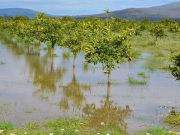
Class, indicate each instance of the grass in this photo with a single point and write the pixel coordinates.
(160, 51)
(85, 66)
(145, 43)
(101, 83)
(154, 131)
(6, 126)
(2, 63)
(159, 54)
(143, 75)
(133, 81)
(60, 126)
(66, 56)
(152, 64)
(30, 110)
(74, 126)
(173, 118)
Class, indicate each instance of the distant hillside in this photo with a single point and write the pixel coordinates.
(17, 12)
(172, 10)
(156, 13)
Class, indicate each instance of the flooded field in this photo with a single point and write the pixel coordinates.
(34, 86)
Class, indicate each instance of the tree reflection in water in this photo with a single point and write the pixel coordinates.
(109, 113)
(46, 76)
(73, 93)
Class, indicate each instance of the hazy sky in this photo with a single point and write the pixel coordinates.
(79, 7)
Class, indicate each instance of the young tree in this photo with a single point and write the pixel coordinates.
(47, 29)
(158, 31)
(108, 48)
(74, 38)
(107, 12)
(175, 67)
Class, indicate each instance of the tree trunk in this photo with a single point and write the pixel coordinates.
(108, 91)
(107, 103)
(74, 61)
(74, 76)
(109, 77)
(52, 52)
(52, 47)
(52, 64)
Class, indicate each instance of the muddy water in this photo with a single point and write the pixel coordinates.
(34, 86)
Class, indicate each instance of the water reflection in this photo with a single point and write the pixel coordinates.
(13, 46)
(45, 75)
(41, 69)
(30, 70)
(73, 92)
(109, 113)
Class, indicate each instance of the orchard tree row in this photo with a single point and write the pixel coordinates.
(103, 41)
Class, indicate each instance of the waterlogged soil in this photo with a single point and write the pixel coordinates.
(35, 86)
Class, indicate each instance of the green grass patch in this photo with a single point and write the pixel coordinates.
(133, 81)
(143, 75)
(61, 126)
(159, 54)
(136, 54)
(6, 126)
(32, 126)
(154, 131)
(66, 56)
(30, 110)
(2, 63)
(173, 118)
(85, 66)
(160, 51)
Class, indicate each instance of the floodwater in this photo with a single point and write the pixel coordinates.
(34, 86)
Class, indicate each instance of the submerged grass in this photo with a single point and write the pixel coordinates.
(66, 56)
(160, 51)
(2, 63)
(152, 64)
(143, 75)
(85, 66)
(133, 81)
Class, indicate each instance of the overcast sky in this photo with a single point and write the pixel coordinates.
(79, 7)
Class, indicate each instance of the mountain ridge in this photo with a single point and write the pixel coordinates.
(18, 12)
(171, 11)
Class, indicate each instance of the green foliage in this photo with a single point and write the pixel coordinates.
(173, 118)
(107, 12)
(32, 126)
(174, 28)
(66, 56)
(158, 30)
(107, 47)
(49, 29)
(2, 63)
(142, 74)
(154, 131)
(6, 126)
(175, 67)
(73, 37)
(85, 66)
(133, 81)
